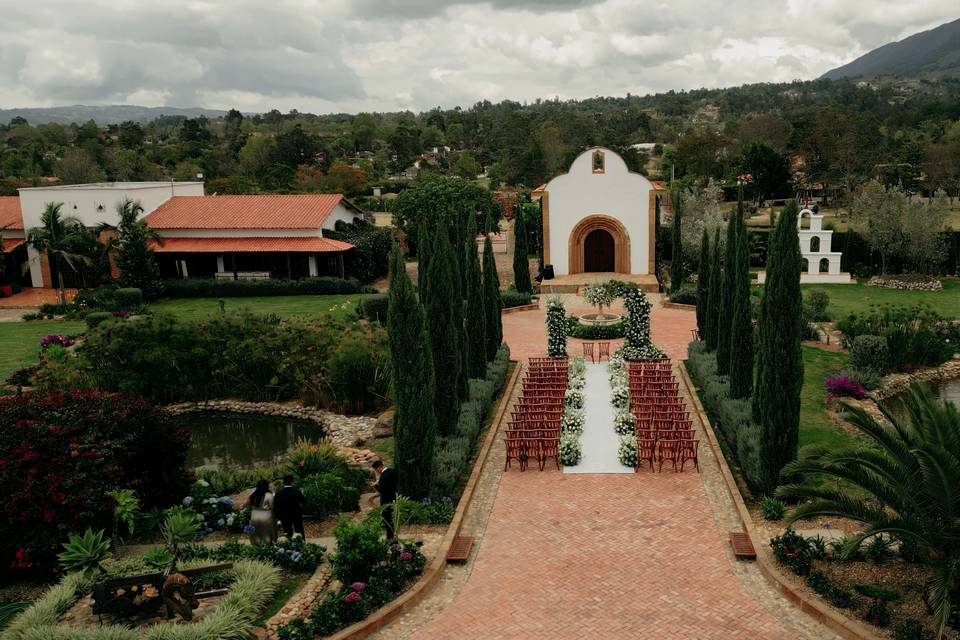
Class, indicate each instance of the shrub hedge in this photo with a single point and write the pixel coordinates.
(371, 248)
(731, 417)
(684, 295)
(374, 308)
(914, 337)
(60, 454)
(213, 288)
(320, 361)
(512, 298)
(453, 452)
(576, 329)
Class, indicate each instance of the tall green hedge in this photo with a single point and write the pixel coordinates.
(213, 288)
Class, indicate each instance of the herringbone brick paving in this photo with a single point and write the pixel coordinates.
(644, 556)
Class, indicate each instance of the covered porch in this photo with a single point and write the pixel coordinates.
(251, 258)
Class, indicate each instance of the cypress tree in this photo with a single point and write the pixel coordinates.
(676, 248)
(713, 299)
(476, 320)
(492, 304)
(425, 237)
(521, 265)
(776, 398)
(726, 295)
(703, 284)
(741, 331)
(443, 315)
(413, 380)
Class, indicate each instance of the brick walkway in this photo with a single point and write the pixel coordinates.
(595, 556)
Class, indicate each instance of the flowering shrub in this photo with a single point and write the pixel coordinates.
(60, 454)
(573, 399)
(793, 551)
(372, 572)
(637, 345)
(627, 451)
(845, 386)
(572, 421)
(216, 513)
(56, 339)
(570, 449)
(293, 554)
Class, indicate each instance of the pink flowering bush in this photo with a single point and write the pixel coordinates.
(845, 386)
(57, 339)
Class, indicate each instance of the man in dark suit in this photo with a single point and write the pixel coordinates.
(387, 488)
(288, 507)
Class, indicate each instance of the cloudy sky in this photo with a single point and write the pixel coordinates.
(354, 55)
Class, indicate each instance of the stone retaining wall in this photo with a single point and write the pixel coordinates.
(897, 383)
(340, 429)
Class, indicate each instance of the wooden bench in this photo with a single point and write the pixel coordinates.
(460, 549)
(742, 546)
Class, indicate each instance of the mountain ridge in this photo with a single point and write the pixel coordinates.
(932, 53)
(102, 114)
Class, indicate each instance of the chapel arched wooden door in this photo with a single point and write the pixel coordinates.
(599, 252)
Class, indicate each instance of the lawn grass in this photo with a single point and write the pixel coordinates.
(857, 298)
(816, 427)
(342, 307)
(20, 341)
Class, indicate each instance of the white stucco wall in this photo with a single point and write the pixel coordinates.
(340, 212)
(84, 202)
(616, 192)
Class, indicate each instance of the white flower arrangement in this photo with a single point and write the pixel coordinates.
(620, 395)
(623, 423)
(573, 399)
(572, 421)
(577, 367)
(627, 451)
(637, 344)
(570, 449)
(556, 329)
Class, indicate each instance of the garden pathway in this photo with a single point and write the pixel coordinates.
(602, 555)
(599, 440)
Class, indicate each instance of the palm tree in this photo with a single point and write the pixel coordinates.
(904, 482)
(59, 236)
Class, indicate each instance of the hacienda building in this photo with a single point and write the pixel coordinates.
(215, 236)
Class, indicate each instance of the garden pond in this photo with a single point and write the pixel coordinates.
(243, 440)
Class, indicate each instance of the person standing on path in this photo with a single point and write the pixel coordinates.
(387, 488)
(288, 507)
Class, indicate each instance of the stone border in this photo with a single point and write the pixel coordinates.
(523, 307)
(412, 596)
(842, 625)
(666, 304)
(896, 383)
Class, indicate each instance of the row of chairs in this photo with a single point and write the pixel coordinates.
(533, 433)
(674, 452)
(664, 431)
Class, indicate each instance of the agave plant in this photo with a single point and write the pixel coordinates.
(905, 482)
(180, 527)
(85, 553)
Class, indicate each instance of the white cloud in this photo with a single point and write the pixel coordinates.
(351, 55)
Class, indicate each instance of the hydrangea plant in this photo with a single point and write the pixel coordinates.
(627, 451)
(570, 449)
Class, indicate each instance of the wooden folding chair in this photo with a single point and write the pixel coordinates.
(646, 450)
(588, 351)
(669, 451)
(688, 451)
(604, 351)
(514, 452)
(549, 448)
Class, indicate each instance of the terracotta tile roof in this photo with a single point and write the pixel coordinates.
(9, 244)
(10, 216)
(310, 244)
(245, 212)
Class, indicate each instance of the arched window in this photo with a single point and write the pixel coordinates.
(824, 265)
(815, 244)
(598, 162)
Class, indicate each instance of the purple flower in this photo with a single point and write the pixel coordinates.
(406, 555)
(248, 529)
(353, 596)
(395, 547)
(123, 314)
(845, 386)
(56, 339)
(358, 586)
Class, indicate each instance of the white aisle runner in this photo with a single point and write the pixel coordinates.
(599, 440)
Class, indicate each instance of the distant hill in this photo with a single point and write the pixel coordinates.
(934, 53)
(102, 115)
